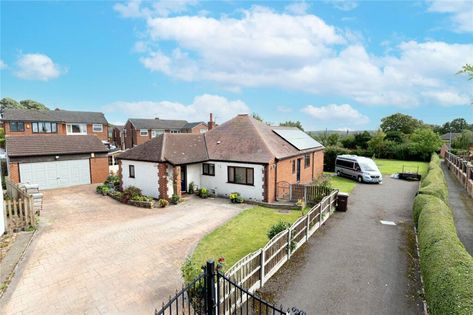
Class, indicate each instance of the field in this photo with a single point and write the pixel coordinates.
(388, 167)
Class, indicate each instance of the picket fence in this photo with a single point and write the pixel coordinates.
(255, 269)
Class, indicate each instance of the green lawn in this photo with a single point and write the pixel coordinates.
(240, 236)
(389, 167)
(341, 183)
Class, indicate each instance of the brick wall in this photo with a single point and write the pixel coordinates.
(318, 163)
(141, 139)
(197, 128)
(98, 169)
(163, 180)
(101, 135)
(61, 130)
(270, 183)
(176, 183)
(14, 172)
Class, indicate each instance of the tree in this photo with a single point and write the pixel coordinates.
(257, 117)
(456, 125)
(426, 141)
(464, 141)
(362, 138)
(349, 142)
(291, 123)
(9, 103)
(30, 104)
(468, 70)
(377, 143)
(332, 139)
(400, 122)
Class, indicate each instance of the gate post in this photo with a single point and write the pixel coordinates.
(210, 287)
(290, 192)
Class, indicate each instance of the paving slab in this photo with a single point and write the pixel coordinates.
(94, 255)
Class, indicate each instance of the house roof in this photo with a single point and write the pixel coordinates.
(119, 127)
(52, 145)
(450, 135)
(244, 138)
(54, 115)
(175, 148)
(241, 139)
(191, 125)
(157, 123)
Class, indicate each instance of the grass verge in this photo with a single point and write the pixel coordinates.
(341, 183)
(240, 236)
(388, 167)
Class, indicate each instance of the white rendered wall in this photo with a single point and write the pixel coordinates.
(194, 172)
(223, 188)
(146, 177)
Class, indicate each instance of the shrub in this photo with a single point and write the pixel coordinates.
(277, 228)
(163, 203)
(235, 197)
(130, 192)
(446, 266)
(175, 199)
(191, 188)
(330, 154)
(434, 182)
(141, 198)
(203, 193)
(102, 189)
(113, 180)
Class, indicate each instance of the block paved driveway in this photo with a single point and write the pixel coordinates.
(93, 255)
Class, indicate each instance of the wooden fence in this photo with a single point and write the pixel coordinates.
(310, 194)
(253, 270)
(462, 168)
(21, 207)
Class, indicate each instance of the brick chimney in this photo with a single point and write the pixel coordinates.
(211, 122)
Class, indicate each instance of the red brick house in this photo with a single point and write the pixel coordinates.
(242, 155)
(56, 148)
(137, 131)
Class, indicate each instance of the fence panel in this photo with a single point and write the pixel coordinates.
(298, 233)
(247, 271)
(19, 214)
(275, 254)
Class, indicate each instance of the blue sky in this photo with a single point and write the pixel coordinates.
(330, 64)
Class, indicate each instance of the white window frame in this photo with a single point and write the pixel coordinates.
(98, 126)
(175, 131)
(143, 132)
(156, 132)
(82, 127)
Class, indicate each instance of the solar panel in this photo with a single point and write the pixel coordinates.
(297, 138)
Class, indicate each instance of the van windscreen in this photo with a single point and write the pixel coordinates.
(368, 166)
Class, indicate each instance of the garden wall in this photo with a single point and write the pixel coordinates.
(446, 266)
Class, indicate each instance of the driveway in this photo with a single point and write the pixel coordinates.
(355, 264)
(94, 255)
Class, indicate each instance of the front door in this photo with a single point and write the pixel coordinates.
(183, 178)
(298, 172)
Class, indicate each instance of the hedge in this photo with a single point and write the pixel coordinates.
(434, 182)
(446, 266)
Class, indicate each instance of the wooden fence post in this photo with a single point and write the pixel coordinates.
(289, 244)
(308, 227)
(305, 194)
(263, 258)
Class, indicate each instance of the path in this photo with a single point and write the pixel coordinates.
(355, 264)
(462, 207)
(94, 255)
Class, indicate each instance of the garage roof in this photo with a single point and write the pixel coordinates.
(53, 145)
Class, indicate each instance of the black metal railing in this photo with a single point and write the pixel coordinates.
(213, 293)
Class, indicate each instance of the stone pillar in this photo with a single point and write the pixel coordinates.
(163, 180)
(176, 180)
(120, 174)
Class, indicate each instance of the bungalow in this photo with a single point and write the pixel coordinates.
(242, 155)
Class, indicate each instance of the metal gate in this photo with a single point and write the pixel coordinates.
(213, 293)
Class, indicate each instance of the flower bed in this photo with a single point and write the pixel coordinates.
(131, 195)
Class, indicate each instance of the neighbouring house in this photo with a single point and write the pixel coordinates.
(137, 131)
(118, 137)
(56, 148)
(242, 155)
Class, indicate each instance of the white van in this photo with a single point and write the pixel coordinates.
(358, 167)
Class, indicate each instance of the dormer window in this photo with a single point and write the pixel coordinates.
(76, 129)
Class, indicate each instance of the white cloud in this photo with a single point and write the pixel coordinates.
(264, 48)
(448, 97)
(344, 5)
(297, 8)
(37, 67)
(3, 65)
(461, 13)
(199, 110)
(148, 9)
(336, 113)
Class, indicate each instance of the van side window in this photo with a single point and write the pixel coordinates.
(357, 167)
(346, 164)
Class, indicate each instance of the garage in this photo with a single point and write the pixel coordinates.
(56, 174)
(56, 161)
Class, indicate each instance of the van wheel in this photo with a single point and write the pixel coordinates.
(360, 179)
(339, 174)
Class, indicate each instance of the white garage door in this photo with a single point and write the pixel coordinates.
(56, 174)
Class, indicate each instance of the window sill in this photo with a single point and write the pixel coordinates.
(208, 174)
(241, 184)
